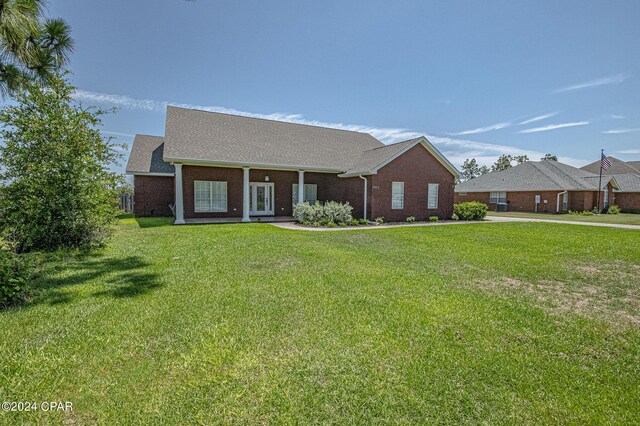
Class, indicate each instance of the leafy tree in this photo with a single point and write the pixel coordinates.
(470, 169)
(502, 163)
(549, 157)
(32, 46)
(519, 159)
(56, 187)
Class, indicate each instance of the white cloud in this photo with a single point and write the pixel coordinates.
(125, 135)
(456, 150)
(538, 118)
(614, 79)
(629, 151)
(553, 127)
(496, 126)
(618, 131)
(386, 135)
(616, 116)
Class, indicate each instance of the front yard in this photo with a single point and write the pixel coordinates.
(498, 323)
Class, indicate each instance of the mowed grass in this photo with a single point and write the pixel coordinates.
(494, 323)
(621, 218)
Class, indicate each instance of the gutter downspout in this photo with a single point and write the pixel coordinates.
(558, 200)
(365, 194)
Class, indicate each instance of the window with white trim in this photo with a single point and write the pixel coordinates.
(210, 196)
(432, 196)
(565, 201)
(605, 198)
(397, 195)
(499, 197)
(310, 193)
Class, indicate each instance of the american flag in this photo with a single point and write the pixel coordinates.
(604, 162)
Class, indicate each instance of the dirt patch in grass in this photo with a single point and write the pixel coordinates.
(610, 301)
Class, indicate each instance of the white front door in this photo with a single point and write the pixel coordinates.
(261, 199)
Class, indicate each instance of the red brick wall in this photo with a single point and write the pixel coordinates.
(233, 177)
(629, 202)
(330, 188)
(524, 201)
(416, 168)
(152, 195)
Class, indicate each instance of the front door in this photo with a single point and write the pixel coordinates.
(261, 199)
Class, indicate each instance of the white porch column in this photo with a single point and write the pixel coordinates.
(300, 186)
(179, 199)
(245, 195)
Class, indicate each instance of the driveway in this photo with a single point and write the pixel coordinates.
(570, 222)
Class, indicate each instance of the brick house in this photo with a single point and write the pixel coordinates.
(538, 186)
(213, 165)
(627, 175)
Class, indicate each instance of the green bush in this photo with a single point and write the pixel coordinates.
(580, 213)
(354, 222)
(323, 214)
(454, 217)
(470, 210)
(410, 219)
(613, 209)
(363, 221)
(380, 220)
(15, 271)
(433, 218)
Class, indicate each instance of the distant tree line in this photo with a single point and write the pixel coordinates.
(471, 169)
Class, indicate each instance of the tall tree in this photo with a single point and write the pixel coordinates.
(470, 169)
(519, 159)
(57, 188)
(549, 157)
(502, 163)
(32, 46)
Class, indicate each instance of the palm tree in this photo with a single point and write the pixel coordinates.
(31, 46)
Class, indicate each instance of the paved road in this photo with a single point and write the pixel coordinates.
(489, 219)
(570, 222)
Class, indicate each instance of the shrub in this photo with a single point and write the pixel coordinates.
(354, 222)
(410, 219)
(14, 274)
(433, 218)
(323, 214)
(470, 210)
(580, 213)
(363, 221)
(613, 209)
(380, 220)
(331, 225)
(454, 217)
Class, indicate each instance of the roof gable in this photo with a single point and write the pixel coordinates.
(146, 156)
(617, 167)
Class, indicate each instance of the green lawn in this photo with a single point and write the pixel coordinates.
(622, 218)
(494, 323)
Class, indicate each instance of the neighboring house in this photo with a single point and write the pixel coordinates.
(538, 186)
(213, 165)
(627, 174)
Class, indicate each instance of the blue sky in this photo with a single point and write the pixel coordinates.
(478, 78)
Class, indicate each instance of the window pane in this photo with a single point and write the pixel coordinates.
(397, 195)
(432, 196)
(311, 193)
(202, 196)
(219, 196)
(498, 197)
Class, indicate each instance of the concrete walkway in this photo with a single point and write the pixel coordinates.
(489, 219)
(567, 222)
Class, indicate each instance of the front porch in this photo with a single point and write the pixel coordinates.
(256, 219)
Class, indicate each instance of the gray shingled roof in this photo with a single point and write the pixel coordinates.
(372, 158)
(147, 156)
(617, 167)
(627, 182)
(634, 164)
(535, 176)
(231, 139)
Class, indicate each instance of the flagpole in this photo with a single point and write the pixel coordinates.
(600, 180)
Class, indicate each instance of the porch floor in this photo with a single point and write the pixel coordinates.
(257, 219)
